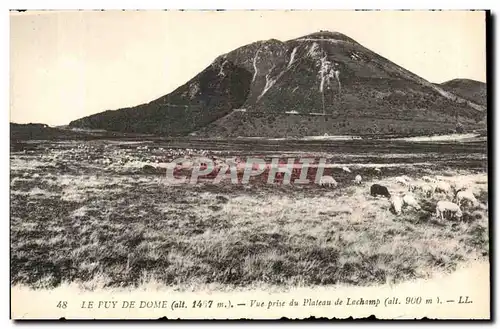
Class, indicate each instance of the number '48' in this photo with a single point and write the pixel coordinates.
(62, 304)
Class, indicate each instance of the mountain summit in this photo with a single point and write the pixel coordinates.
(327, 35)
(321, 83)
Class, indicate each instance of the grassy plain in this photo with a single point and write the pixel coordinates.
(102, 214)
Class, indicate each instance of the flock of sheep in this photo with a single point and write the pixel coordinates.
(457, 196)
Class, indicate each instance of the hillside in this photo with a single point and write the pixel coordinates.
(472, 90)
(209, 96)
(324, 82)
(39, 131)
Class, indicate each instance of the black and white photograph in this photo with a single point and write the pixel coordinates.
(258, 164)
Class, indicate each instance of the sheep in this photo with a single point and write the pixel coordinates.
(328, 180)
(443, 208)
(187, 164)
(467, 196)
(426, 189)
(458, 186)
(357, 179)
(219, 163)
(428, 179)
(443, 187)
(346, 169)
(401, 181)
(409, 200)
(234, 161)
(377, 189)
(411, 187)
(406, 178)
(397, 204)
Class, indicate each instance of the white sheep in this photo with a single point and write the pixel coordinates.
(426, 189)
(219, 163)
(457, 186)
(401, 181)
(406, 178)
(443, 208)
(443, 187)
(357, 179)
(467, 196)
(409, 200)
(411, 187)
(346, 169)
(232, 161)
(328, 180)
(428, 179)
(397, 204)
(187, 164)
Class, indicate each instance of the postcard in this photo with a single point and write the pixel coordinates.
(249, 164)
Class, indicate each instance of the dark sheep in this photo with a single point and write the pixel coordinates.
(377, 189)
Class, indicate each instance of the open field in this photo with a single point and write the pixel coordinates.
(102, 214)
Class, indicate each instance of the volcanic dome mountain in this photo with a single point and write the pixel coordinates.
(322, 83)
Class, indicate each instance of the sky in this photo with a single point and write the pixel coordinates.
(67, 65)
